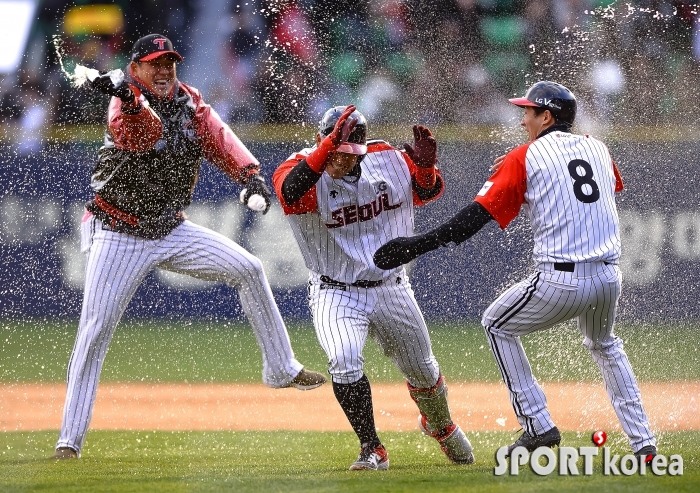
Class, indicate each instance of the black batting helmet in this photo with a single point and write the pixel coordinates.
(358, 134)
(551, 96)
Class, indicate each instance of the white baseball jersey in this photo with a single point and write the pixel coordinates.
(566, 184)
(338, 225)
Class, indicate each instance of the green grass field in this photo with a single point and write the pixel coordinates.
(298, 462)
(129, 461)
(196, 351)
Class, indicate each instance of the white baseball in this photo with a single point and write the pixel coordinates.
(257, 202)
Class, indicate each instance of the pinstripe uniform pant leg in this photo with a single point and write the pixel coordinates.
(543, 300)
(116, 266)
(403, 335)
(344, 318)
(607, 350)
(341, 321)
(205, 254)
(118, 263)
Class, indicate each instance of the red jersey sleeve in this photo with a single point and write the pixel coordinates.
(221, 146)
(307, 203)
(137, 132)
(619, 186)
(504, 192)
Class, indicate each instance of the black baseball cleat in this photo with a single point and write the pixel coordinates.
(549, 438)
(647, 453)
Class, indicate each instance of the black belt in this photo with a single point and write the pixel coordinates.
(357, 284)
(568, 266)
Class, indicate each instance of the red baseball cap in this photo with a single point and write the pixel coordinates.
(522, 102)
(151, 47)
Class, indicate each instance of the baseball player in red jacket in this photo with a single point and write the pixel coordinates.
(158, 132)
(566, 183)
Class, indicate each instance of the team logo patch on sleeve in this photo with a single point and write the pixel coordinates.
(485, 188)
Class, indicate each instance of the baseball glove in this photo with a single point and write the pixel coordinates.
(424, 149)
(256, 186)
(104, 84)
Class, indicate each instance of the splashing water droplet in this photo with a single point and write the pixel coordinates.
(81, 73)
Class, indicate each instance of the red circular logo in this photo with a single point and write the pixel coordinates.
(599, 438)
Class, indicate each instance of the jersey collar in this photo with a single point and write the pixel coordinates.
(557, 127)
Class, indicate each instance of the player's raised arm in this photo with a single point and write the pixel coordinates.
(342, 130)
(421, 158)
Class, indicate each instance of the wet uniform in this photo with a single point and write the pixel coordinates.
(338, 224)
(566, 184)
(144, 179)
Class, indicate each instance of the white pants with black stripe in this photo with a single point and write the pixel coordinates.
(344, 316)
(118, 263)
(547, 297)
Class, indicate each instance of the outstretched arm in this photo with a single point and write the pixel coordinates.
(459, 228)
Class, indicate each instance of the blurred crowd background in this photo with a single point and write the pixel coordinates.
(447, 61)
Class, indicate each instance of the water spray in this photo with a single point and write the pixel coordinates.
(81, 73)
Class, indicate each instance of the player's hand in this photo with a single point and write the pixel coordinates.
(343, 127)
(497, 163)
(424, 149)
(402, 250)
(104, 84)
(256, 186)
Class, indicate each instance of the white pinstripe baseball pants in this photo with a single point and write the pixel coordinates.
(546, 298)
(388, 313)
(118, 263)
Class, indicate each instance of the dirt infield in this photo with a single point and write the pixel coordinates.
(481, 406)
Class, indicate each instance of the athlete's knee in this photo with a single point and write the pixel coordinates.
(345, 370)
(608, 345)
(488, 328)
(487, 321)
(246, 269)
(423, 375)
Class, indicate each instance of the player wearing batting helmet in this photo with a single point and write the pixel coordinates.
(345, 197)
(159, 131)
(567, 184)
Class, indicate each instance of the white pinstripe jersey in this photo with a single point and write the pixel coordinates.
(566, 184)
(344, 223)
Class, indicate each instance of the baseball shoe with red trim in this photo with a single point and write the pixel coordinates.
(372, 457)
(647, 453)
(453, 442)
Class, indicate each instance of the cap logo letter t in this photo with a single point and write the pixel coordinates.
(160, 42)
